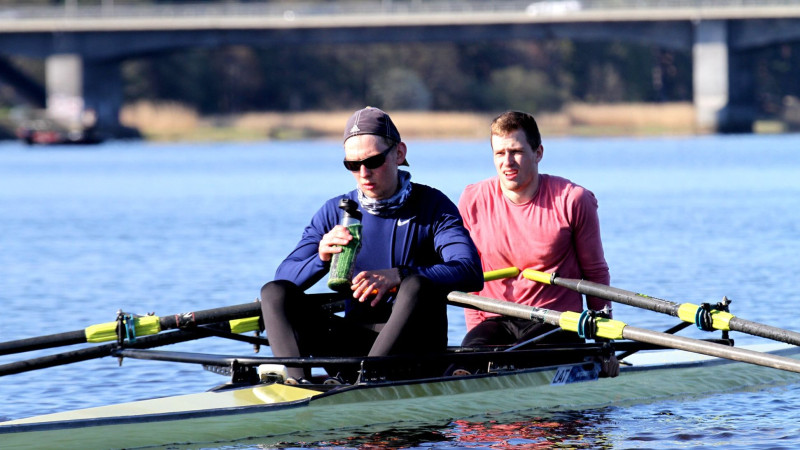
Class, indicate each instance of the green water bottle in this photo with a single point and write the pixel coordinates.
(343, 264)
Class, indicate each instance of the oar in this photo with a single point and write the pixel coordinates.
(242, 318)
(95, 352)
(688, 312)
(614, 329)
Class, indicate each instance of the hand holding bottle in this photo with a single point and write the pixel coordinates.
(333, 241)
(343, 262)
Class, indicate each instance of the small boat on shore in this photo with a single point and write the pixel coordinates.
(48, 132)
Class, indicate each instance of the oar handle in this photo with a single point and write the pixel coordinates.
(539, 277)
(500, 274)
(487, 276)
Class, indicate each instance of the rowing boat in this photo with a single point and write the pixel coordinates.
(270, 411)
(256, 406)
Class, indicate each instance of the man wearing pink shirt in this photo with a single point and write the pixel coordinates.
(521, 218)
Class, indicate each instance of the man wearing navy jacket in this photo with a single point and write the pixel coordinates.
(414, 250)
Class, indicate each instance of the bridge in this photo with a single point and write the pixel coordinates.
(83, 46)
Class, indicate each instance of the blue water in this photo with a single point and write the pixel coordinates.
(168, 228)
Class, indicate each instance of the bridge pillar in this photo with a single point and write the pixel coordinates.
(64, 86)
(710, 72)
(84, 93)
(723, 81)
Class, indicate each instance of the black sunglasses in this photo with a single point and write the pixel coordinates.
(373, 162)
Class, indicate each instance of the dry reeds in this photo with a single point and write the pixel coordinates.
(161, 120)
(634, 116)
(171, 121)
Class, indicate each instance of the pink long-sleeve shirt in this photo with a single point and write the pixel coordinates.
(557, 231)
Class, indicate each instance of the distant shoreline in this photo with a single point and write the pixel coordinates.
(172, 122)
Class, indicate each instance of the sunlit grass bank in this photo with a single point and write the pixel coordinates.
(170, 121)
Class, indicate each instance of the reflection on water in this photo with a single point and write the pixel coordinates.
(573, 430)
(580, 429)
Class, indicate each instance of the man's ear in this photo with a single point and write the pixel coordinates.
(401, 152)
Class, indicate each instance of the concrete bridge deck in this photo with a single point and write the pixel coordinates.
(117, 17)
(84, 45)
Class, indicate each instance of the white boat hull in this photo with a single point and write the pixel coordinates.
(272, 413)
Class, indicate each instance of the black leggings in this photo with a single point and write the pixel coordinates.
(512, 331)
(416, 322)
(497, 331)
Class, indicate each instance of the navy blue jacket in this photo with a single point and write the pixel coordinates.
(426, 234)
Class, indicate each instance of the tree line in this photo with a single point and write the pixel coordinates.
(488, 76)
(535, 76)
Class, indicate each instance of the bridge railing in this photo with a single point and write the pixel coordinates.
(289, 10)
